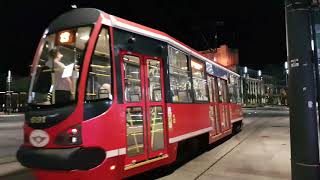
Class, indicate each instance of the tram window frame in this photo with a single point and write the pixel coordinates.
(225, 96)
(80, 63)
(128, 98)
(196, 60)
(108, 30)
(215, 88)
(237, 90)
(227, 92)
(187, 72)
(210, 89)
(216, 94)
(233, 89)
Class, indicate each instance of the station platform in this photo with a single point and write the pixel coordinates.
(260, 151)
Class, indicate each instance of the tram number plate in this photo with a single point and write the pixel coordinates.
(38, 119)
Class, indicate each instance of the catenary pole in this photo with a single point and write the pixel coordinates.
(302, 92)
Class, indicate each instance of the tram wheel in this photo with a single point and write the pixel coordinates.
(237, 126)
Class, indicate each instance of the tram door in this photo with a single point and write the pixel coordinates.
(223, 106)
(214, 106)
(142, 81)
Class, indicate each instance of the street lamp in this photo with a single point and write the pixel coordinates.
(245, 70)
(286, 67)
(259, 73)
(8, 93)
(259, 86)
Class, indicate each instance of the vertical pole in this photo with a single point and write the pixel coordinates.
(286, 79)
(8, 101)
(314, 15)
(302, 92)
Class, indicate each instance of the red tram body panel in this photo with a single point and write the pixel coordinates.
(110, 99)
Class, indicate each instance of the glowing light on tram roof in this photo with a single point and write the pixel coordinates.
(64, 37)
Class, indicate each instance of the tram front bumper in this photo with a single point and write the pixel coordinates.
(61, 159)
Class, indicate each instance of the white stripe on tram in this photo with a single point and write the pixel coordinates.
(237, 119)
(185, 136)
(115, 152)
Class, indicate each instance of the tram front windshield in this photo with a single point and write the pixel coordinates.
(54, 80)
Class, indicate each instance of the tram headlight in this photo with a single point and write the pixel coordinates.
(69, 137)
(113, 167)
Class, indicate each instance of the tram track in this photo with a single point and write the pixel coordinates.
(260, 124)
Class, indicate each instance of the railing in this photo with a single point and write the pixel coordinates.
(12, 102)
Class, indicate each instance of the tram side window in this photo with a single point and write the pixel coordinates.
(180, 85)
(223, 97)
(99, 76)
(237, 96)
(132, 78)
(233, 91)
(199, 80)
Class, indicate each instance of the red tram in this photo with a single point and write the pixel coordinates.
(111, 98)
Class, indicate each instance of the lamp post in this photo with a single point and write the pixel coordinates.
(286, 68)
(302, 91)
(259, 95)
(8, 94)
(245, 85)
(245, 70)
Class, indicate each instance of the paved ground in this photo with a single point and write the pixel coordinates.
(11, 137)
(263, 154)
(260, 152)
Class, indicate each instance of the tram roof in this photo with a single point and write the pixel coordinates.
(83, 16)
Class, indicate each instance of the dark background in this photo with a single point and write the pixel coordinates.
(256, 28)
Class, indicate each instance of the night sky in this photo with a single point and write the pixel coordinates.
(256, 28)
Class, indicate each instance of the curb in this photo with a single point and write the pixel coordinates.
(11, 118)
(11, 168)
(11, 125)
(7, 159)
(12, 114)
